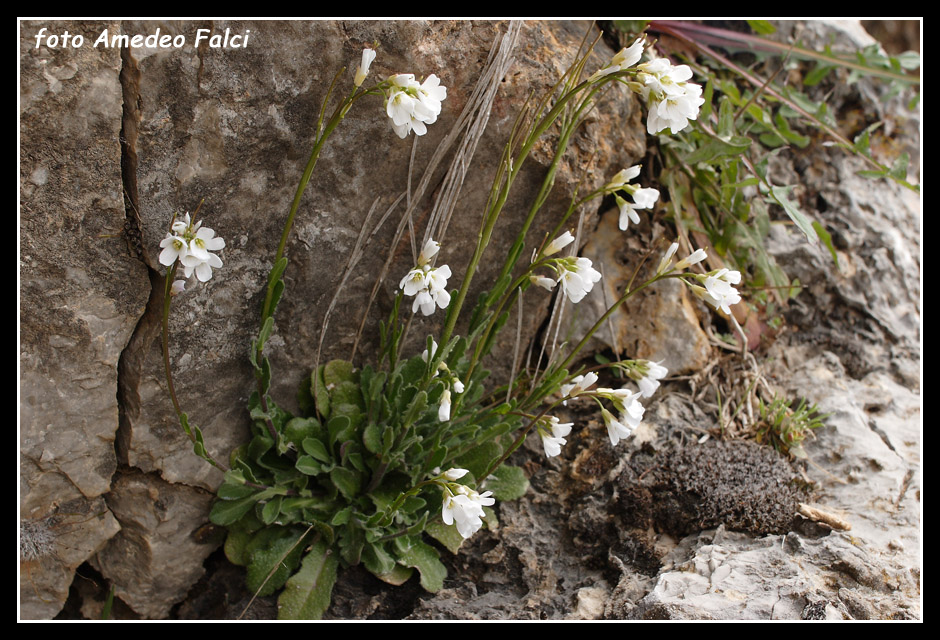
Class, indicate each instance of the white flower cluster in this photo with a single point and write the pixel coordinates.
(717, 290)
(412, 105)
(463, 506)
(576, 275)
(672, 101)
(192, 245)
(627, 405)
(428, 285)
(643, 197)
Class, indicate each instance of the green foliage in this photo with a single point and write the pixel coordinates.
(786, 428)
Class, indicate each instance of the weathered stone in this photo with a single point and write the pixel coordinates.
(156, 557)
(80, 291)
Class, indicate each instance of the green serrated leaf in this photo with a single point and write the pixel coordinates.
(265, 332)
(372, 438)
(338, 371)
(308, 593)
(377, 560)
(226, 512)
(898, 170)
(320, 394)
(423, 557)
(507, 483)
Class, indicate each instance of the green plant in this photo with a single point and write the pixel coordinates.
(786, 428)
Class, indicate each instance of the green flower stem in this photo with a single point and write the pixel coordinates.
(514, 165)
(171, 388)
(322, 137)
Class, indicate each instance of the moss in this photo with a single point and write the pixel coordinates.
(737, 483)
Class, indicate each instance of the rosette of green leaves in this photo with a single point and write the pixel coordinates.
(345, 482)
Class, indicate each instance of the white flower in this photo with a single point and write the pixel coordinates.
(542, 281)
(411, 105)
(672, 101)
(643, 197)
(463, 506)
(427, 284)
(443, 411)
(647, 376)
(458, 386)
(424, 354)
(558, 244)
(623, 177)
(665, 265)
(697, 256)
(192, 245)
(578, 385)
(552, 443)
(368, 55)
(577, 278)
(455, 474)
(625, 58)
(615, 429)
(718, 290)
(177, 287)
(627, 404)
(174, 247)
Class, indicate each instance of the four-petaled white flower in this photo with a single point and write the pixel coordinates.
(191, 244)
(412, 105)
(553, 435)
(626, 403)
(368, 55)
(463, 507)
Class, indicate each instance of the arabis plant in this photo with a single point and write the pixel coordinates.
(354, 477)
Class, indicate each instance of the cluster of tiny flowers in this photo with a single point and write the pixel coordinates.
(428, 285)
(412, 105)
(643, 197)
(553, 432)
(576, 275)
(463, 506)
(192, 245)
(672, 101)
